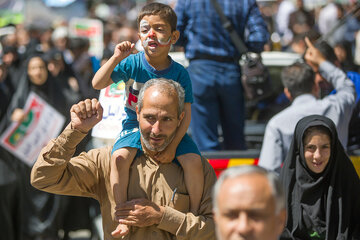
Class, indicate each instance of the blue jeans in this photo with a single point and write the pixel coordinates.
(218, 99)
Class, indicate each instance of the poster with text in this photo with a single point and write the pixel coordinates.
(112, 100)
(41, 123)
(91, 29)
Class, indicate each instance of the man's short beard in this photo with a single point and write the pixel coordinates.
(157, 149)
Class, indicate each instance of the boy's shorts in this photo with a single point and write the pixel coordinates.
(187, 145)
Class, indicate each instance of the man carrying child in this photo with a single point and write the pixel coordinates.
(157, 32)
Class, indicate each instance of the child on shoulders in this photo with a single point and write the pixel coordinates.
(157, 32)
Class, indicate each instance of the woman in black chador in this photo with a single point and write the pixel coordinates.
(37, 79)
(321, 185)
(39, 214)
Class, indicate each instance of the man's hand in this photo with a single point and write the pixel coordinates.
(123, 50)
(139, 212)
(313, 56)
(86, 114)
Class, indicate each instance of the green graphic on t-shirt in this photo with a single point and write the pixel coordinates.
(316, 236)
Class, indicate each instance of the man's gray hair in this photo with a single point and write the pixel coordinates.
(298, 78)
(168, 86)
(234, 172)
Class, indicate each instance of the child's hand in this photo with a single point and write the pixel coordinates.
(121, 230)
(166, 156)
(123, 50)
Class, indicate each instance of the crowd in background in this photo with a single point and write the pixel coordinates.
(71, 65)
(43, 50)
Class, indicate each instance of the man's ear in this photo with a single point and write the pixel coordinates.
(175, 36)
(214, 215)
(181, 117)
(316, 90)
(137, 113)
(337, 63)
(281, 218)
(288, 94)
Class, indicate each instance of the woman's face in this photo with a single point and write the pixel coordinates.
(37, 71)
(317, 150)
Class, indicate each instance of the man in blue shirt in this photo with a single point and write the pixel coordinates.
(214, 69)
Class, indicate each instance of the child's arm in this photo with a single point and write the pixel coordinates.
(169, 153)
(102, 76)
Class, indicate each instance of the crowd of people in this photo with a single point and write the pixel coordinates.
(145, 182)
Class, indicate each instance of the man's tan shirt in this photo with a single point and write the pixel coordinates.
(88, 175)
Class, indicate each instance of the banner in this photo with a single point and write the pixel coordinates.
(112, 100)
(26, 139)
(91, 29)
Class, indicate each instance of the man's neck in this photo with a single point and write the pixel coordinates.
(147, 152)
(159, 63)
(300, 98)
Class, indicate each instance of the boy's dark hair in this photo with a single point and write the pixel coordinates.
(164, 11)
(298, 78)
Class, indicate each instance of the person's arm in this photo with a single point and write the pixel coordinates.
(102, 77)
(345, 89)
(168, 154)
(271, 155)
(258, 33)
(56, 170)
(181, 11)
(14, 111)
(182, 225)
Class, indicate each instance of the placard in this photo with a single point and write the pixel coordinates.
(26, 139)
(112, 100)
(91, 29)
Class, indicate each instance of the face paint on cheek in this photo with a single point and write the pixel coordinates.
(145, 43)
(163, 42)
